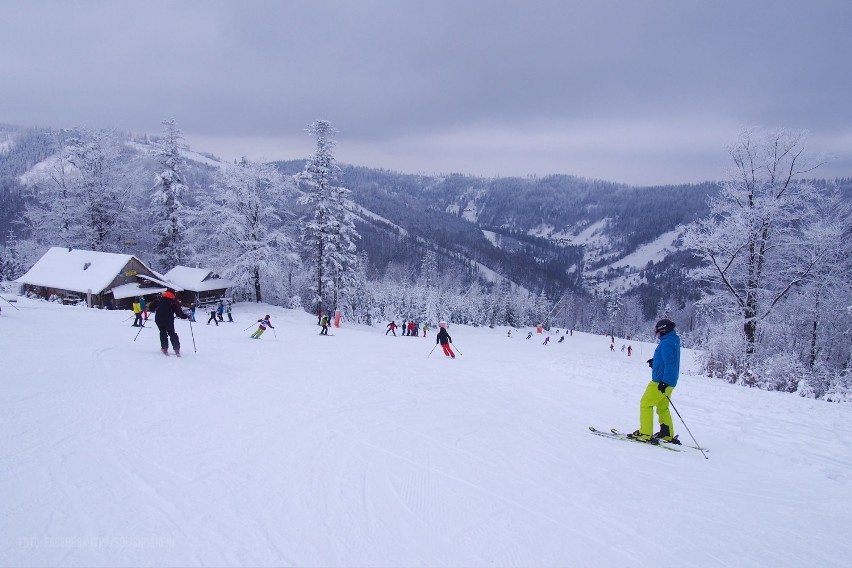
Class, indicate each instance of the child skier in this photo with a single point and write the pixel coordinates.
(444, 340)
(137, 311)
(228, 311)
(264, 323)
(529, 335)
(546, 340)
(324, 323)
(425, 329)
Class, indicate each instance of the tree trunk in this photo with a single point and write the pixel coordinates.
(257, 285)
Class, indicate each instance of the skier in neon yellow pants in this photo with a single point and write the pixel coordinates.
(665, 368)
(654, 398)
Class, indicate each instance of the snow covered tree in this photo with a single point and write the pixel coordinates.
(168, 215)
(753, 241)
(84, 203)
(246, 233)
(330, 235)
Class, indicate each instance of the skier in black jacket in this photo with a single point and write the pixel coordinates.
(167, 308)
(444, 339)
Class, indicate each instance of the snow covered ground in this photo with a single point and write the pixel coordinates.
(361, 450)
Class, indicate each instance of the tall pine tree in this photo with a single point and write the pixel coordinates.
(166, 201)
(330, 235)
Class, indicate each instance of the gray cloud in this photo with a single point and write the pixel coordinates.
(639, 92)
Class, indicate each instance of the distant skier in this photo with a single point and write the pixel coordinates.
(629, 350)
(509, 333)
(391, 328)
(444, 340)
(164, 316)
(264, 323)
(137, 311)
(665, 368)
(324, 322)
(213, 316)
(144, 307)
(228, 311)
(425, 329)
(612, 347)
(529, 335)
(546, 340)
(220, 309)
(561, 339)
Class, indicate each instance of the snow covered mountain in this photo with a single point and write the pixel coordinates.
(365, 449)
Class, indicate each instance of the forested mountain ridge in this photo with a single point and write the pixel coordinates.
(523, 229)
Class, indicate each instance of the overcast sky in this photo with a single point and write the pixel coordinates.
(636, 91)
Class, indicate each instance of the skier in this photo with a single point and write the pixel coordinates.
(220, 309)
(509, 333)
(324, 323)
(264, 323)
(629, 350)
(213, 316)
(192, 312)
(546, 340)
(164, 316)
(412, 329)
(403, 328)
(612, 347)
(137, 311)
(529, 335)
(561, 339)
(144, 307)
(444, 340)
(228, 311)
(665, 368)
(425, 329)
(391, 328)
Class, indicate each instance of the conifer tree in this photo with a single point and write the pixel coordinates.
(166, 201)
(330, 235)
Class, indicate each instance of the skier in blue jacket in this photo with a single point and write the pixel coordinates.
(665, 368)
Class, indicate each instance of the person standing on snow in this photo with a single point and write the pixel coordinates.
(220, 309)
(164, 316)
(324, 323)
(144, 307)
(264, 323)
(444, 340)
(228, 311)
(546, 340)
(425, 329)
(391, 328)
(137, 311)
(213, 316)
(665, 368)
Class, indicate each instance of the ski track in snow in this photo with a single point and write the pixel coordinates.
(294, 450)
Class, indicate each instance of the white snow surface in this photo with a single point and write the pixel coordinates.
(361, 449)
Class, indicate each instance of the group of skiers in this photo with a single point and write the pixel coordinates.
(217, 311)
(409, 328)
(665, 364)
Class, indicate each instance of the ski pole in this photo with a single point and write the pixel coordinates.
(138, 332)
(430, 353)
(10, 303)
(457, 348)
(193, 336)
(274, 334)
(687, 428)
(249, 327)
(128, 317)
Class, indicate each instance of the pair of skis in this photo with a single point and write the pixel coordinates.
(616, 435)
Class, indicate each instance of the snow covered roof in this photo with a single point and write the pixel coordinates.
(133, 289)
(77, 270)
(196, 279)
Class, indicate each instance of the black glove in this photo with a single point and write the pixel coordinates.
(662, 387)
(651, 363)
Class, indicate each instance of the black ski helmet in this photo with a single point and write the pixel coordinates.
(664, 326)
